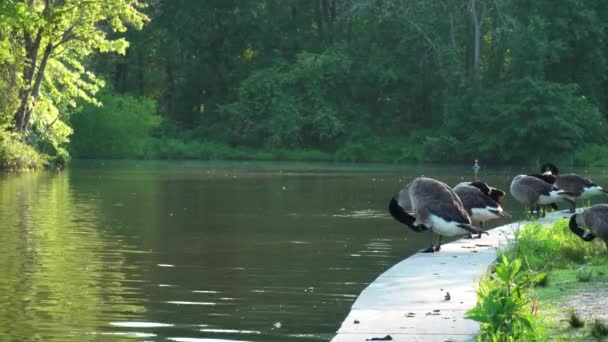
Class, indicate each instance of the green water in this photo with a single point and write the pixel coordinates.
(174, 251)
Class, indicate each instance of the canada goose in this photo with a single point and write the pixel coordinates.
(596, 219)
(580, 186)
(400, 208)
(478, 204)
(437, 207)
(536, 192)
(494, 193)
(548, 178)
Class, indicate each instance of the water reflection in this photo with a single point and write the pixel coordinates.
(198, 252)
(61, 275)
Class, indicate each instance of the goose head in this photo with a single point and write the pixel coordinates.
(575, 221)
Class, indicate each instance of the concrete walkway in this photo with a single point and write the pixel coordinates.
(409, 301)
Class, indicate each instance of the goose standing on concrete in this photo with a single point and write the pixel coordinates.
(400, 207)
(437, 207)
(596, 219)
(535, 192)
(580, 186)
(478, 204)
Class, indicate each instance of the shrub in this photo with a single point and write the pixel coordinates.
(584, 274)
(120, 128)
(598, 328)
(16, 155)
(574, 320)
(503, 307)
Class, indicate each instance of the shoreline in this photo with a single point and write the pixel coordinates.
(409, 300)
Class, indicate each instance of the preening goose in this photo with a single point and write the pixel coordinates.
(596, 219)
(478, 204)
(400, 208)
(535, 192)
(580, 186)
(494, 193)
(437, 207)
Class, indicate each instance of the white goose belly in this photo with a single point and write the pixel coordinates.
(552, 198)
(590, 192)
(443, 227)
(484, 214)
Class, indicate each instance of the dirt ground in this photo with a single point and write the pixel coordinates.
(588, 304)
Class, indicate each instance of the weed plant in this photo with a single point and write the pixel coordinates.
(574, 320)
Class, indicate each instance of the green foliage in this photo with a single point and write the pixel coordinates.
(574, 320)
(120, 128)
(545, 248)
(524, 119)
(43, 73)
(584, 274)
(503, 307)
(16, 155)
(592, 154)
(598, 328)
(175, 148)
(287, 105)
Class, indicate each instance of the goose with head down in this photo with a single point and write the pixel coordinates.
(436, 206)
(581, 187)
(535, 192)
(479, 201)
(400, 208)
(595, 218)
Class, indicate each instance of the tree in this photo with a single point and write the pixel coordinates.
(55, 37)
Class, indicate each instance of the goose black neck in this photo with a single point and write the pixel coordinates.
(481, 186)
(497, 195)
(399, 214)
(549, 167)
(579, 231)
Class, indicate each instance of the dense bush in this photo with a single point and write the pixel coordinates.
(120, 128)
(524, 120)
(16, 155)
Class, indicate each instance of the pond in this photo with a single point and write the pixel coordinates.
(201, 251)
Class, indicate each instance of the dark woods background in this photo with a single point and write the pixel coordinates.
(356, 80)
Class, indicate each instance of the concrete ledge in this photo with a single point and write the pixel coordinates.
(408, 301)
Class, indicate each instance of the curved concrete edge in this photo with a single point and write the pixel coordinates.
(409, 301)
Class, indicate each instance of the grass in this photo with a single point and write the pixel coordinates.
(584, 274)
(598, 328)
(574, 320)
(563, 269)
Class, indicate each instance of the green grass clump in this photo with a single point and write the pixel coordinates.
(574, 320)
(544, 248)
(584, 274)
(16, 155)
(598, 328)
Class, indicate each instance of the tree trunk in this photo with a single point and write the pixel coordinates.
(29, 108)
(477, 27)
(140, 72)
(31, 55)
(170, 88)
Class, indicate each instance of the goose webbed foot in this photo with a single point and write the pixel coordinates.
(437, 248)
(431, 249)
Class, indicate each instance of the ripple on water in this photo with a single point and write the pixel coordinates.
(141, 324)
(194, 339)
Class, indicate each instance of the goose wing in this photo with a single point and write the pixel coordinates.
(573, 183)
(431, 196)
(537, 185)
(472, 197)
(596, 218)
